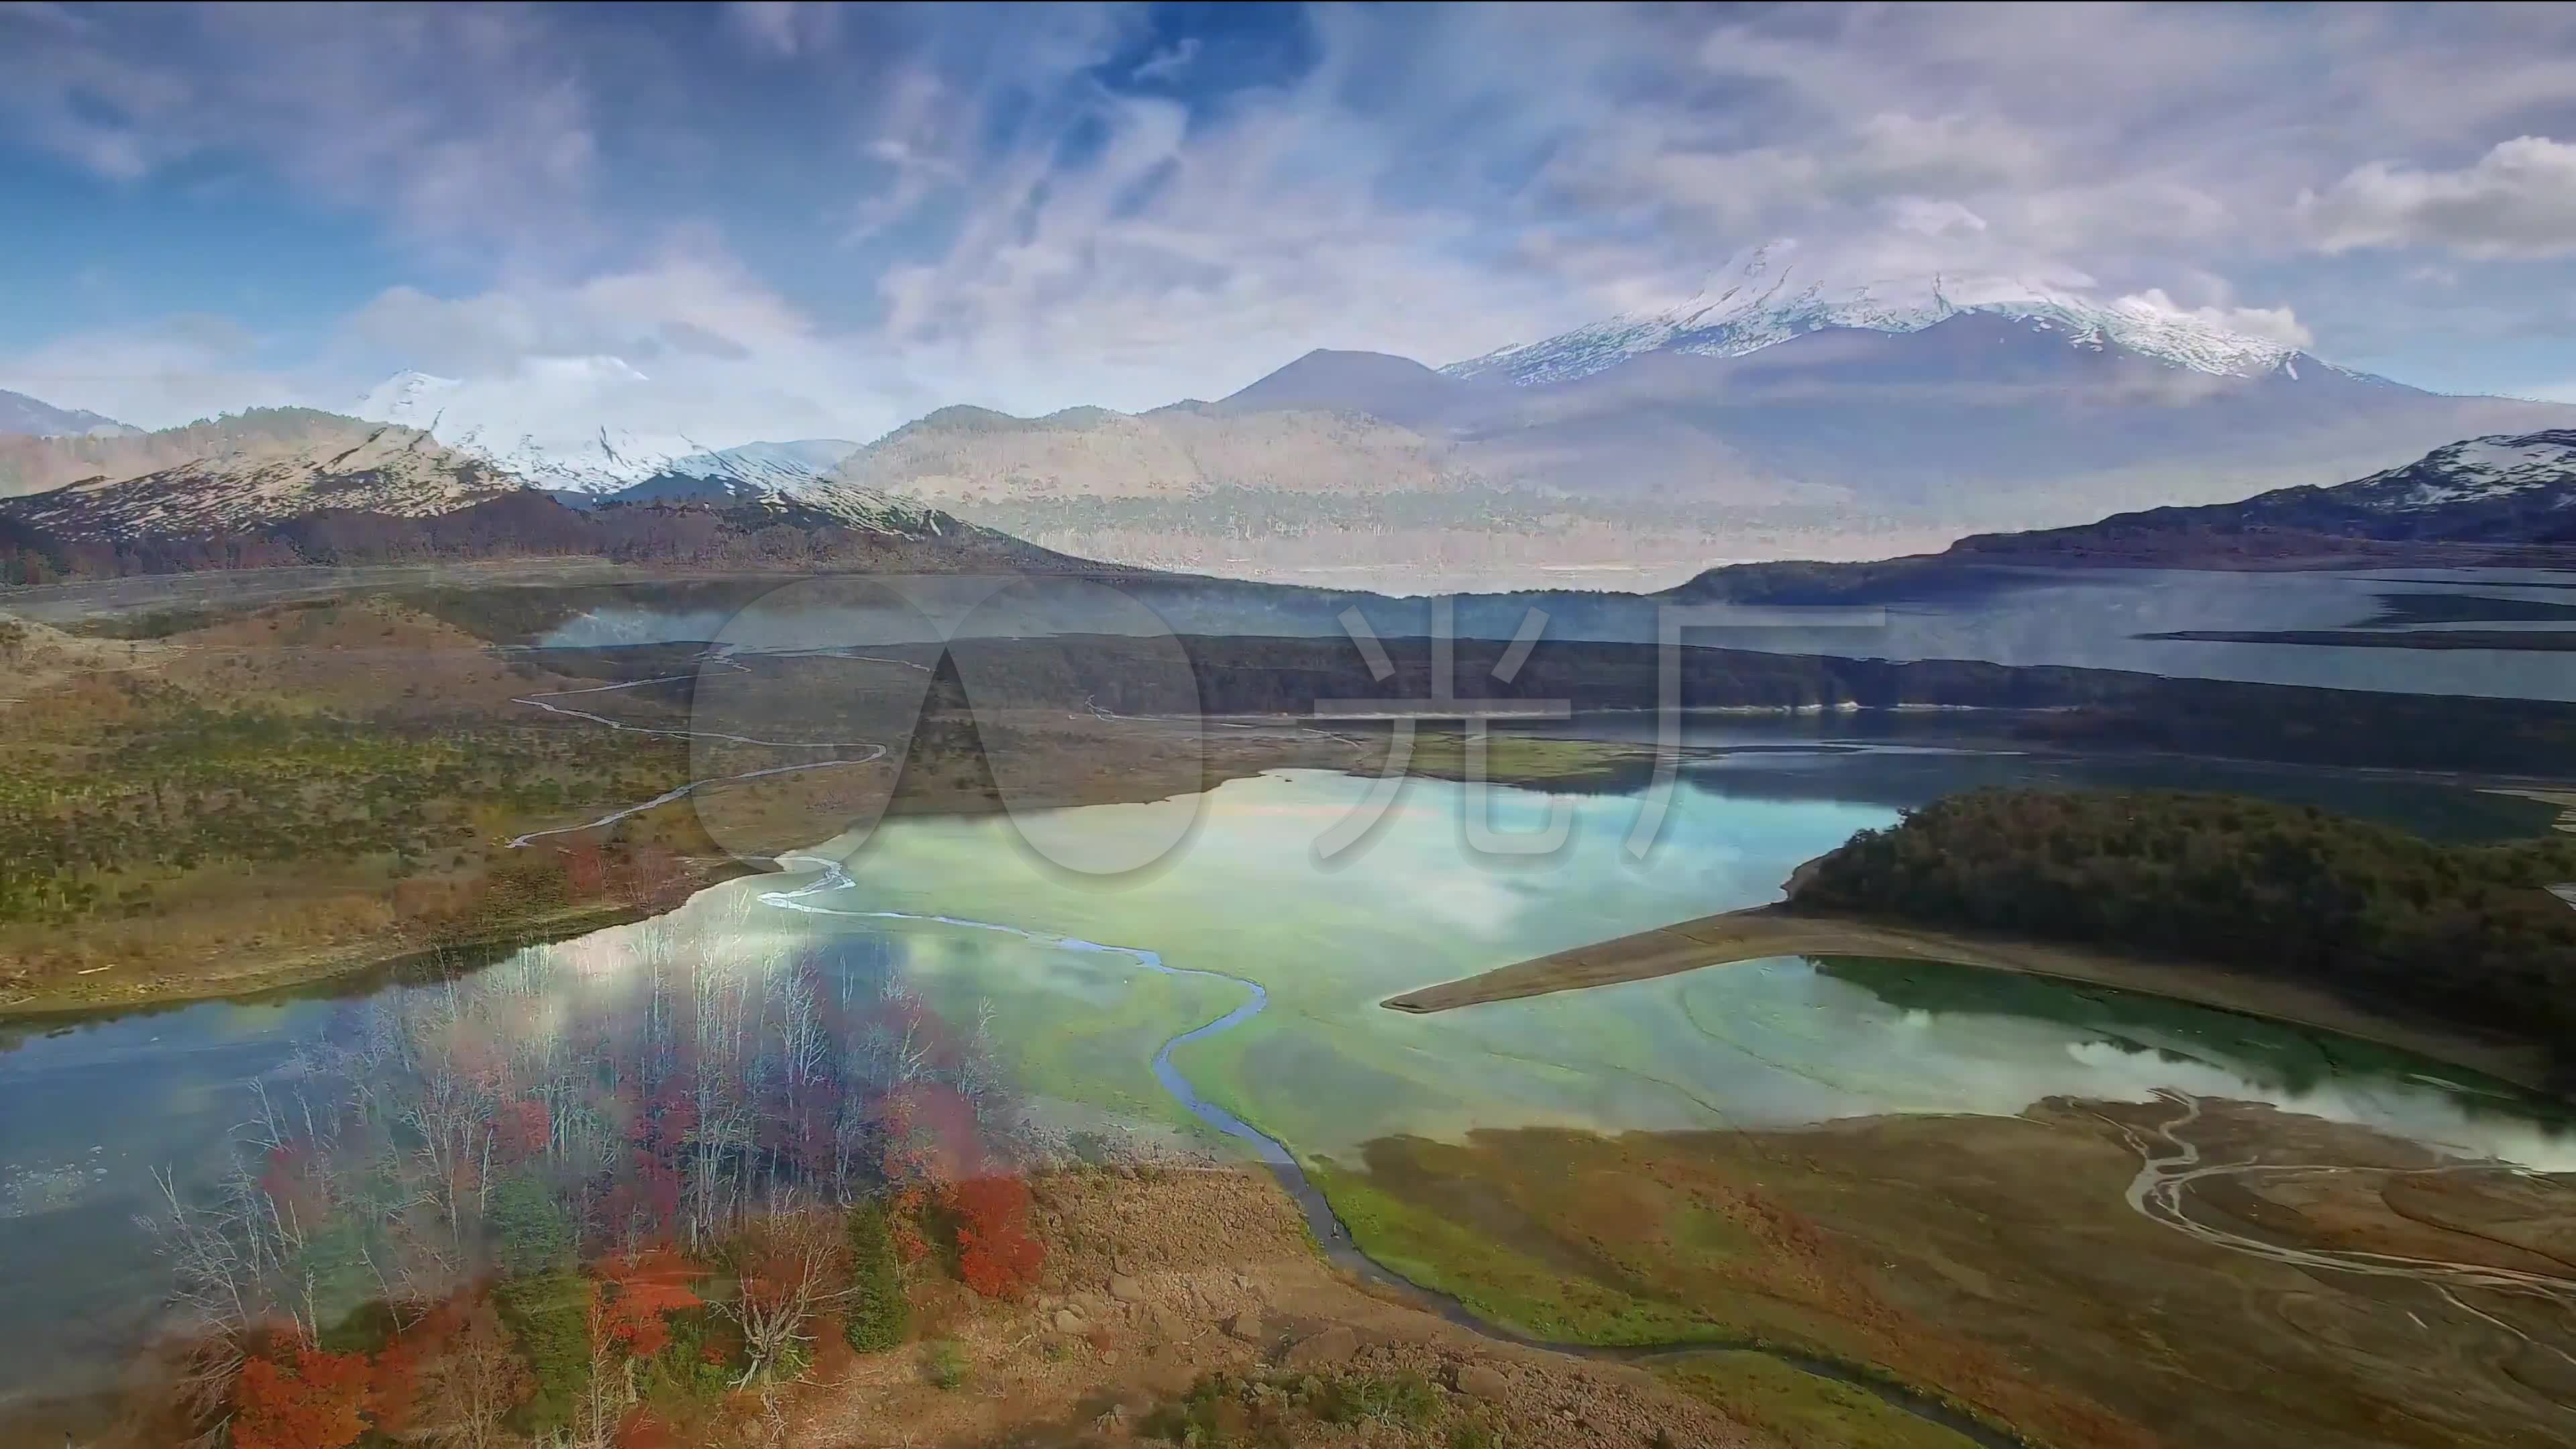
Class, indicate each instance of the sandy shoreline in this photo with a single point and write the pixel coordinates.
(1770, 931)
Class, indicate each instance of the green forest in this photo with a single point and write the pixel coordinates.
(2466, 934)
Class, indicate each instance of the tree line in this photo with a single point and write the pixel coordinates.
(2466, 934)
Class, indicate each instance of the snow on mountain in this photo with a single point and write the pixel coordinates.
(522, 426)
(2474, 470)
(36, 418)
(792, 494)
(1766, 298)
(390, 470)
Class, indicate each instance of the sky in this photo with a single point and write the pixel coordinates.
(814, 220)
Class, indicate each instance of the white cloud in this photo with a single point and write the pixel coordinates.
(1168, 62)
(2278, 324)
(784, 27)
(2517, 200)
(457, 122)
(1023, 233)
(177, 371)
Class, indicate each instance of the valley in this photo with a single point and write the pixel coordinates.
(1311, 726)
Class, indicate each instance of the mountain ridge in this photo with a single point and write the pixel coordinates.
(24, 416)
(1763, 298)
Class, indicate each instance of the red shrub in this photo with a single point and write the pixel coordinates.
(635, 1295)
(307, 1400)
(996, 1254)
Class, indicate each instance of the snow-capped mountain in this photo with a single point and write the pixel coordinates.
(786, 496)
(1767, 298)
(2515, 491)
(2533, 468)
(533, 432)
(391, 471)
(36, 418)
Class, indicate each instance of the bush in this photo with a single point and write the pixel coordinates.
(531, 1233)
(1406, 1398)
(944, 1364)
(877, 1316)
(548, 1316)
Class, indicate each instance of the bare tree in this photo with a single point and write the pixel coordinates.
(789, 1266)
(464, 1392)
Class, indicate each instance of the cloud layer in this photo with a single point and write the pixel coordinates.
(829, 219)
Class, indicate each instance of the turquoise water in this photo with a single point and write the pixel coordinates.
(1090, 980)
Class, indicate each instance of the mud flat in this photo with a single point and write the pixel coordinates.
(1771, 931)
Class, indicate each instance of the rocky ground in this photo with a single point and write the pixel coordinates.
(1160, 1276)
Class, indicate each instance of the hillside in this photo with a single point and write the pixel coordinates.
(24, 416)
(34, 464)
(2503, 500)
(396, 495)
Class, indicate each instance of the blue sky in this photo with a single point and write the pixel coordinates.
(822, 220)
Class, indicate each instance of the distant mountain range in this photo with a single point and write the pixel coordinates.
(296, 489)
(573, 459)
(23, 416)
(1771, 417)
(1765, 297)
(2506, 501)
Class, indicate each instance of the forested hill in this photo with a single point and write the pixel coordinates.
(2468, 935)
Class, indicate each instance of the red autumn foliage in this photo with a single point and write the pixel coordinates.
(643, 1431)
(521, 1129)
(996, 1254)
(636, 1293)
(394, 1381)
(304, 1399)
(584, 871)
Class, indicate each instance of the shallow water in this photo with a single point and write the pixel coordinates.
(1093, 1001)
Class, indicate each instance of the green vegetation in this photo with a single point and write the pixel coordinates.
(1405, 1398)
(548, 1317)
(1499, 1281)
(944, 1364)
(877, 1315)
(531, 1232)
(1799, 1409)
(2462, 934)
(1258, 1411)
(94, 820)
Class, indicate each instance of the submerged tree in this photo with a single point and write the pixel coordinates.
(428, 1187)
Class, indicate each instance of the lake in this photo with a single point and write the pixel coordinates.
(1078, 982)
(2091, 618)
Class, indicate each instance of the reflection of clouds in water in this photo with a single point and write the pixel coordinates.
(2402, 1109)
(1816, 1048)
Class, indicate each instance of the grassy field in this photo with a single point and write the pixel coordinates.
(1799, 1409)
(1992, 1264)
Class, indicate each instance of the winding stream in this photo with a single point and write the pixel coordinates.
(1326, 1225)
(2166, 1174)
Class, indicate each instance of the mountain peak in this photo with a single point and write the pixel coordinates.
(1398, 389)
(514, 426)
(34, 417)
(1766, 297)
(2500, 466)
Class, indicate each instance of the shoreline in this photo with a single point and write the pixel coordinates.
(1574, 762)
(329, 964)
(1762, 932)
